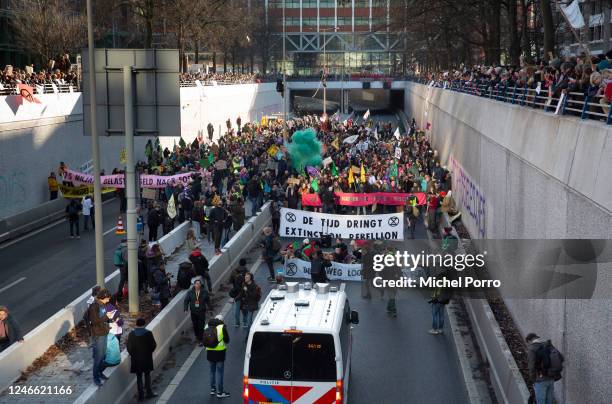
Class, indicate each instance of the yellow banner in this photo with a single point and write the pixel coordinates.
(272, 150)
(80, 192)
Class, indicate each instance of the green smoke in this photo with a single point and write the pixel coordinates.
(304, 149)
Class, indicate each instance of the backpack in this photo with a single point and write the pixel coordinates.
(118, 258)
(549, 361)
(86, 320)
(73, 209)
(210, 337)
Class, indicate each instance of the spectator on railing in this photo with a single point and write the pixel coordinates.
(220, 78)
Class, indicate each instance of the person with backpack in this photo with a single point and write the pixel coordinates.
(545, 364)
(439, 298)
(161, 285)
(237, 280)
(271, 247)
(200, 265)
(249, 296)
(72, 212)
(120, 262)
(216, 339)
(154, 218)
(195, 301)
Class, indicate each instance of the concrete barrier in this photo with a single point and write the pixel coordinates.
(19, 356)
(24, 222)
(168, 326)
(173, 240)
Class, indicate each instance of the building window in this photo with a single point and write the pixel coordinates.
(309, 22)
(362, 3)
(309, 4)
(595, 33)
(379, 3)
(345, 21)
(327, 3)
(362, 21)
(327, 21)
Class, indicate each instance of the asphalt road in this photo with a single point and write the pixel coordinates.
(56, 268)
(395, 360)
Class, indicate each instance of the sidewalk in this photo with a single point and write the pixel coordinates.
(68, 363)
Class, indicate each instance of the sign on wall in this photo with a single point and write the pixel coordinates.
(300, 223)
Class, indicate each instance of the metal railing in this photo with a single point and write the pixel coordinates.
(47, 88)
(576, 104)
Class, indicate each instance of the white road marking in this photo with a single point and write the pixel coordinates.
(12, 284)
(110, 230)
(178, 378)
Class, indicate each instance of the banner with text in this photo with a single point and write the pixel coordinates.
(300, 223)
(296, 268)
(118, 180)
(353, 199)
(81, 191)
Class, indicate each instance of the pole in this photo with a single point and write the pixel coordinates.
(284, 70)
(576, 35)
(324, 78)
(130, 185)
(95, 152)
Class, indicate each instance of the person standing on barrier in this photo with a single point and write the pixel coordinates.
(99, 331)
(141, 345)
(195, 301)
(9, 329)
(269, 251)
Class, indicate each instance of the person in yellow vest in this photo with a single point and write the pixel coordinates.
(216, 355)
(53, 187)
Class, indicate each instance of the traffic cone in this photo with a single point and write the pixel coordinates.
(120, 229)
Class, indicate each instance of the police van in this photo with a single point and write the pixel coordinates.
(299, 346)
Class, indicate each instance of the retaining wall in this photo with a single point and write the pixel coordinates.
(168, 326)
(520, 173)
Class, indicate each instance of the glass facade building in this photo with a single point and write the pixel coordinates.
(342, 36)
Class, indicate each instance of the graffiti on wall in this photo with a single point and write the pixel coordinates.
(469, 197)
(12, 190)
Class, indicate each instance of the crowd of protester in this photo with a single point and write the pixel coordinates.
(577, 77)
(59, 72)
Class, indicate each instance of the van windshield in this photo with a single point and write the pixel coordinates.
(300, 357)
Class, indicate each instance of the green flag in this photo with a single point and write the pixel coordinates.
(211, 158)
(315, 185)
(393, 171)
(203, 163)
(182, 143)
(334, 169)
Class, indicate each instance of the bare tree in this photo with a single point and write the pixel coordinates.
(48, 28)
(147, 11)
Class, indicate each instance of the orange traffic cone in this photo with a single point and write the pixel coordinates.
(120, 229)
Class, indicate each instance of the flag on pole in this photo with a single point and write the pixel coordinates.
(397, 133)
(336, 144)
(334, 169)
(376, 133)
(573, 14)
(362, 176)
(393, 171)
(351, 178)
(366, 115)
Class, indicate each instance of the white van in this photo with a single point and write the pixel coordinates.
(299, 346)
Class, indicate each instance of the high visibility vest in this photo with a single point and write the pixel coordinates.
(221, 345)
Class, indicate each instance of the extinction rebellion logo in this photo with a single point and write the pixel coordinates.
(290, 216)
(291, 269)
(393, 221)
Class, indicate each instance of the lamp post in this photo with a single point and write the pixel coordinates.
(95, 152)
(324, 77)
(284, 70)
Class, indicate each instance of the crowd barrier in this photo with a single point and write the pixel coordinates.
(170, 324)
(173, 240)
(26, 221)
(506, 379)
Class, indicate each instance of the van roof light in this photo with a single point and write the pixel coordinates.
(293, 287)
(333, 289)
(264, 321)
(302, 303)
(323, 288)
(282, 287)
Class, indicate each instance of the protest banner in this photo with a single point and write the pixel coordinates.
(80, 192)
(297, 268)
(356, 199)
(118, 180)
(299, 223)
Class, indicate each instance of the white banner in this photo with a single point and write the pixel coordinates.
(573, 14)
(300, 223)
(296, 268)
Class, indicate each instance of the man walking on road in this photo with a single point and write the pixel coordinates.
(216, 355)
(99, 331)
(88, 212)
(195, 301)
(140, 346)
(545, 365)
(72, 211)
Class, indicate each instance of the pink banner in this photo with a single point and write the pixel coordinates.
(352, 199)
(118, 180)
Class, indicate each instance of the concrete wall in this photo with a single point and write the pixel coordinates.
(35, 137)
(520, 173)
(215, 104)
